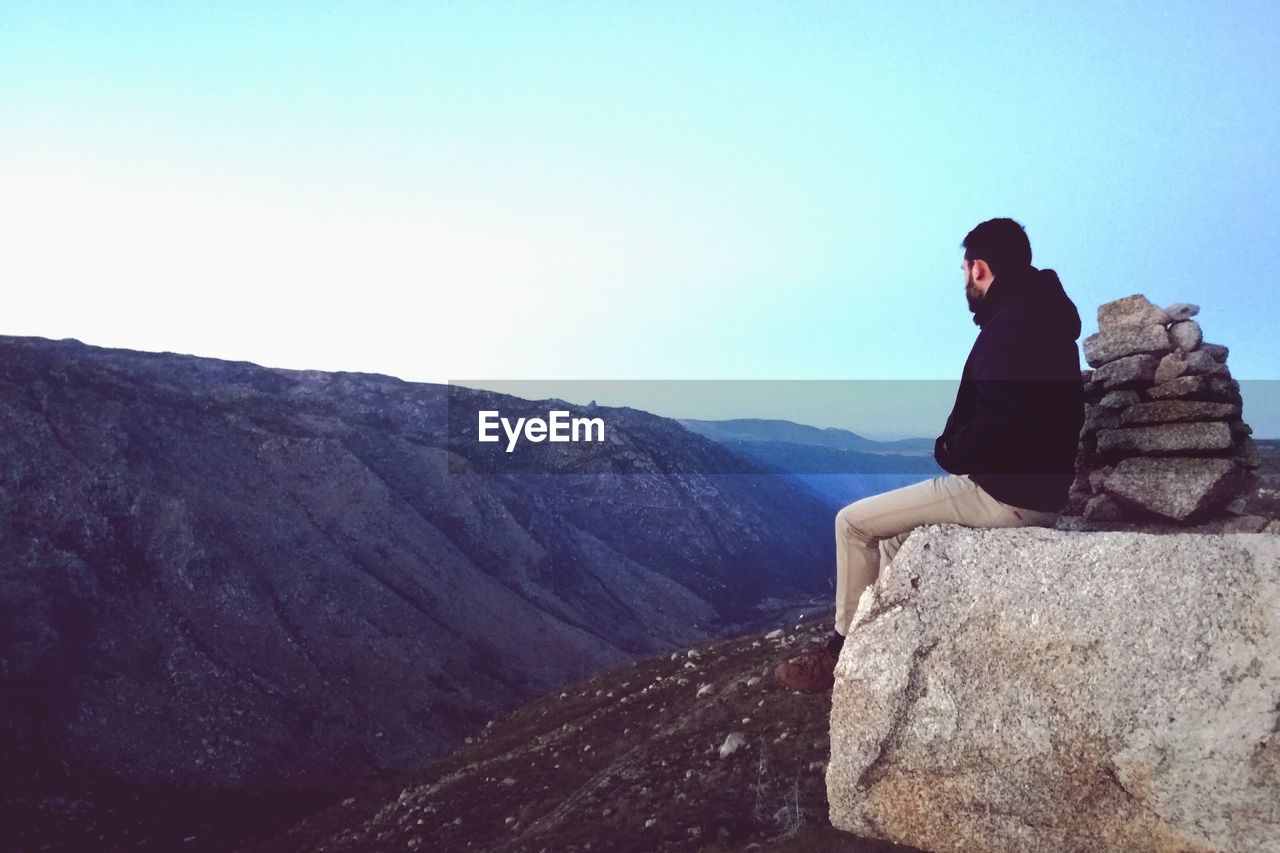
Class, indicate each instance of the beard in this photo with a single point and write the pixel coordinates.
(973, 295)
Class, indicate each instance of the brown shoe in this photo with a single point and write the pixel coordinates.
(810, 673)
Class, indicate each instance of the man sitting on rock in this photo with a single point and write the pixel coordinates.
(1010, 442)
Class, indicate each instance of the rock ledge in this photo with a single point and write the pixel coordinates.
(1035, 689)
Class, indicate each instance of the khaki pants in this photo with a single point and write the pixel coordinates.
(871, 530)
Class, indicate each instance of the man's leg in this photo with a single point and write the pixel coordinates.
(871, 530)
(888, 548)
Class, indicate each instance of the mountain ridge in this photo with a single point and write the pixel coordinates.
(791, 432)
(219, 577)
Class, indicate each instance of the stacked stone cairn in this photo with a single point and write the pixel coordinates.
(1163, 444)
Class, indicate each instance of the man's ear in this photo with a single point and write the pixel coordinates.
(982, 274)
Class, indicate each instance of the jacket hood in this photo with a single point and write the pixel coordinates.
(1035, 294)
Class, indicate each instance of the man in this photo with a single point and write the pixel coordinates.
(1010, 441)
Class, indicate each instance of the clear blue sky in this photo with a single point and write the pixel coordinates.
(625, 190)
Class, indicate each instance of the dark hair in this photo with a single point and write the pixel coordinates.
(1002, 243)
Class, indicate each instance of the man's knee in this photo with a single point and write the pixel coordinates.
(848, 523)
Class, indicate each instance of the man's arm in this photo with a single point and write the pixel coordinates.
(997, 400)
(975, 443)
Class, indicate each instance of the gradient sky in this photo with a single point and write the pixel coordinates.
(627, 190)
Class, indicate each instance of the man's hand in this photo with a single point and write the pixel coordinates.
(942, 455)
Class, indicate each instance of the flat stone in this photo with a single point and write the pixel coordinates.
(1225, 386)
(1119, 399)
(1098, 418)
(1186, 335)
(1130, 370)
(1179, 386)
(1177, 489)
(1172, 411)
(1165, 439)
(1196, 387)
(1120, 341)
(1135, 310)
(1180, 311)
(1171, 366)
(1201, 363)
(1042, 690)
(1218, 351)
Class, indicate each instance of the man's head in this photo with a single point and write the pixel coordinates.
(995, 246)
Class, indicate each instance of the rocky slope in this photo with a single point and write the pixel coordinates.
(700, 750)
(230, 589)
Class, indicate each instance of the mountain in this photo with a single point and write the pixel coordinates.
(788, 432)
(228, 589)
(838, 466)
(635, 760)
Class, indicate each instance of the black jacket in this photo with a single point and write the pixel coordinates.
(1015, 426)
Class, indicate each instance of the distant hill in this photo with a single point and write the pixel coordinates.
(837, 465)
(788, 432)
(232, 591)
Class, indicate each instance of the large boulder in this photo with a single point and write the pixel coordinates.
(1033, 689)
